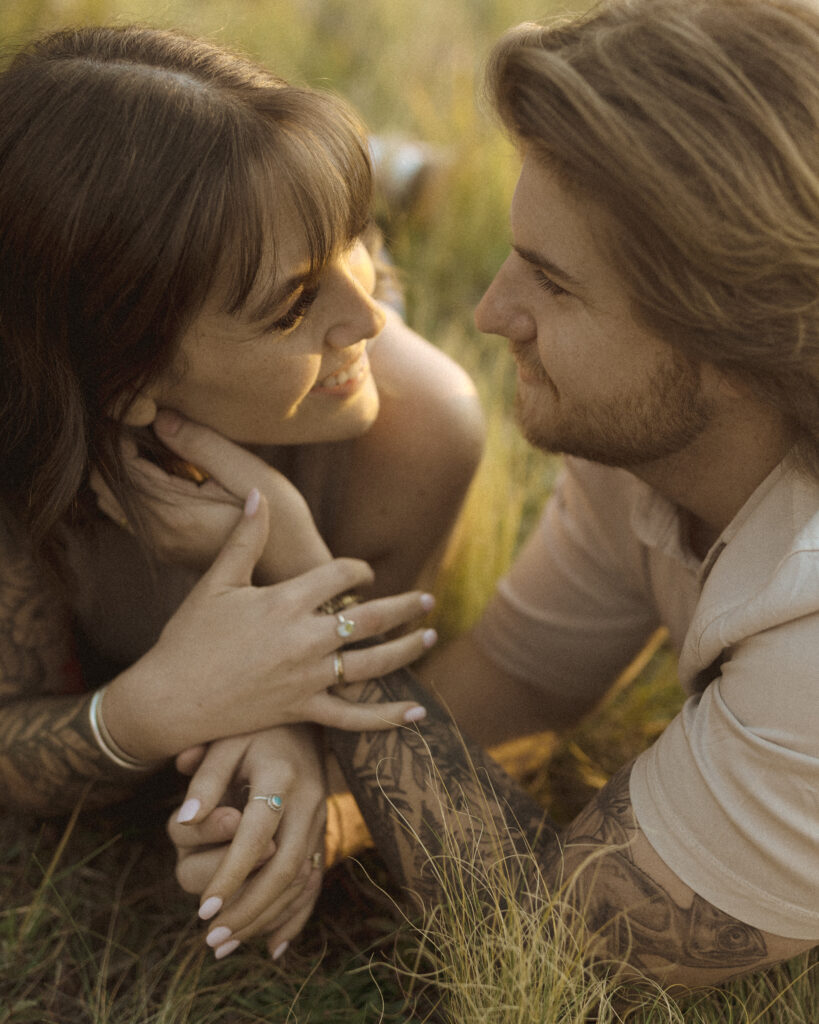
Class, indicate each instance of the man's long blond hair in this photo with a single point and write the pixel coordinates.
(696, 124)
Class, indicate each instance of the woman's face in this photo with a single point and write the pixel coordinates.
(302, 375)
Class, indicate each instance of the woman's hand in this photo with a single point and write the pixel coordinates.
(268, 877)
(189, 522)
(235, 657)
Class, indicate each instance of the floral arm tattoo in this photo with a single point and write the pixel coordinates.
(414, 785)
(47, 751)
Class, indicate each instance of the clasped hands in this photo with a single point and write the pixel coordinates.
(226, 839)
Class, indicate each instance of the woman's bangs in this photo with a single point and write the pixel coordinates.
(316, 167)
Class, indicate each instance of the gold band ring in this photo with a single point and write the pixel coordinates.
(338, 668)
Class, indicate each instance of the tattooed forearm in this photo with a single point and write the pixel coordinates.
(409, 782)
(34, 637)
(47, 752)
(48, 756)
(416, 786)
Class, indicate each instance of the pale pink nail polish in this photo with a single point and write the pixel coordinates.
(416, 714)
(226, 949)
(427, 602)
(188, 811)
(210, 908)
(430, 638)
(252, 503)
(218, 936)
(279, 950)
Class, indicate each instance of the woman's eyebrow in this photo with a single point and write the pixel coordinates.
(543, 262)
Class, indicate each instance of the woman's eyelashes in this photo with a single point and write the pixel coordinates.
(294, 316)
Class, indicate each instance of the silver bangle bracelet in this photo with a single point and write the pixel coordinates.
(105, 741)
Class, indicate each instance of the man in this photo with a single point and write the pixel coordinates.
(661, 302)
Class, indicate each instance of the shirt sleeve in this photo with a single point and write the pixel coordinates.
(576, 605)
(729, 794)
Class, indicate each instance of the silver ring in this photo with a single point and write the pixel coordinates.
(273, 801)
(345, 626)
(315, 859)
(338, 668)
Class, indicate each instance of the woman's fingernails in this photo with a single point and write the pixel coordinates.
(167, 422)
(188, 810)
(252, 503)
(430, 638)
(416, 714)
(226, 949)
(279, 950)
(427, 602)
(210, 908)
(218, 936)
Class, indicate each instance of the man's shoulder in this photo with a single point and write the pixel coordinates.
(766, 576)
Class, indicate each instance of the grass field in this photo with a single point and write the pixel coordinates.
(92, 926)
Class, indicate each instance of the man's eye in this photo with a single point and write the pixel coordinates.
(293, 317)
(547, 284)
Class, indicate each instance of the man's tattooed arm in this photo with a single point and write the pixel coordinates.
(415, 785)
(47, 751)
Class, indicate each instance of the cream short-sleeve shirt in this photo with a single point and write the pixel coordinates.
(729, 794)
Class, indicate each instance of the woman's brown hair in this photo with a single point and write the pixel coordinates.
(136, 165)
(695, 123)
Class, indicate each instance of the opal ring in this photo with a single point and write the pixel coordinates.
(345, 626)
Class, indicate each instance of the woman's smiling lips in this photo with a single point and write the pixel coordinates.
(347, 380)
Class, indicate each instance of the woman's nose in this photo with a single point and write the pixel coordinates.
(358, 315)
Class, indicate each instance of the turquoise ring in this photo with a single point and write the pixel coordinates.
(273, 801)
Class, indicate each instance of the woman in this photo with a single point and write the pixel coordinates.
(181, 240)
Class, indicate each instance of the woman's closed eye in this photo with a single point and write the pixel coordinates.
(294, 316)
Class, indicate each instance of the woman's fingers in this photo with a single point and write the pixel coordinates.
(357, 666)
(233, 466)
(189, 760)
(213, 777)
(289, 924)
(373, 618)
(202, 847)
(217, 828)
(234, 565)
(260, 821)
(281, 894)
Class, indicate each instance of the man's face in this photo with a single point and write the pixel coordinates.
(591, 381)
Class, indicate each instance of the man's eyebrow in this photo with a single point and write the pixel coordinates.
(542, 262)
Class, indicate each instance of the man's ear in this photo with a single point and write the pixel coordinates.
(140, 413)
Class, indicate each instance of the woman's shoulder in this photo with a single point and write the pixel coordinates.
(424, 393)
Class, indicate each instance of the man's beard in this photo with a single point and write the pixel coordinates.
(664, 418)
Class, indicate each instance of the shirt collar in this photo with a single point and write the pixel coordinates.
(660, 524)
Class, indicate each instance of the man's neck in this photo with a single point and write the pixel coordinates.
(714, 476)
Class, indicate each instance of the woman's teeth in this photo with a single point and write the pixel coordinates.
(355, 372)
